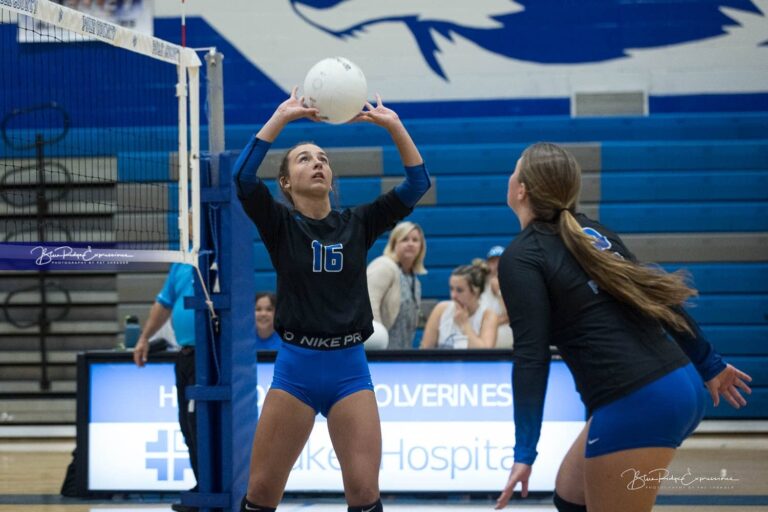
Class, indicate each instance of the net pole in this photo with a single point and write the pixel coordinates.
(183, 158)
(194, 132)
(215, 103)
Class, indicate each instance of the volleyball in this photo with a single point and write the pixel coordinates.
(337, 88)
(379, 340)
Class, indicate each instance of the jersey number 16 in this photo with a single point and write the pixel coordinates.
(327, 258)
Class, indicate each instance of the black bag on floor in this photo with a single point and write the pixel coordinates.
(69, 486)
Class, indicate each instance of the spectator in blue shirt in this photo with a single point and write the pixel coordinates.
(266, 337)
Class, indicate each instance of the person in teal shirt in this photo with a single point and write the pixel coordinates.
(169, 303)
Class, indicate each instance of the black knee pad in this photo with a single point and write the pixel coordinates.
(373, 507)
(566, 506)
(247, 506)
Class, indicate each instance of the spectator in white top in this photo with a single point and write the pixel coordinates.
(492, 298)
(464, 321)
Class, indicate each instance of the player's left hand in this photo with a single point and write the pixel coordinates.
(379, 115)
(520, 473)
(727, 383)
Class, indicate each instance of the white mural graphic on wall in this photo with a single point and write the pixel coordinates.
(422, 50)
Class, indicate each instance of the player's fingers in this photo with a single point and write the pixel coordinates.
(503, 498)
(743, 385)
(378, 99)
(713, 393)
(294, 91)
(360, 117)
(733, 392)
(728, 397)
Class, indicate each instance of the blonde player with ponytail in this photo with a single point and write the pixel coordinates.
(568, 281)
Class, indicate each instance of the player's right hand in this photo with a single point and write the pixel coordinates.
(293, 108)
(728, 383)
(141, 352)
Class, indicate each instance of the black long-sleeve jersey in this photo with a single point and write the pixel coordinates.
(611, 349)
(322, 290)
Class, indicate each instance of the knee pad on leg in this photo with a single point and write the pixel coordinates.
(373, 507)
(247, 506)
(566, 506)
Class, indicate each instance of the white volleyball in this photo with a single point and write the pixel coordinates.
(379, 340)
(337, 88)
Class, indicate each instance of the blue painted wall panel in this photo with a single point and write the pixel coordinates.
(685, 155)
(617, 187)
(682, 218)
(738, 340)
(757, 407)
(742, 309)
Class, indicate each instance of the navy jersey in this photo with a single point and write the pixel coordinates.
(611, 349)
(322, 290)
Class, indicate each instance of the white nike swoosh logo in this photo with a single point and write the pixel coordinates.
(593, 441)
(370, 509)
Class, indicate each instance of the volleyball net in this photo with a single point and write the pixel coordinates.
(99, 142)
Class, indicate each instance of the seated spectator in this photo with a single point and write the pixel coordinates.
(394, 287)
(492, 297)
(266, 337)
(464, 321)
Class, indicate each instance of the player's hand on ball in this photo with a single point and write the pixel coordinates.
(293, 108)
(379, 115)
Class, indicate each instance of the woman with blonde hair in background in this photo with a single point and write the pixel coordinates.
(465, 321)
(394, 287)
(569, 281)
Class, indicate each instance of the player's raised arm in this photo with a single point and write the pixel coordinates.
(291, 109)
(417, 180)
(254, 152)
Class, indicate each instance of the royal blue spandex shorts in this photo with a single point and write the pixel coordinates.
(660, 414)
(320, 378)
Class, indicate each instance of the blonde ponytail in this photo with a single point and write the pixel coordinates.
(553, 178)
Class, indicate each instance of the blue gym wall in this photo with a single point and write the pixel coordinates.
(454, 58)
(698, 165)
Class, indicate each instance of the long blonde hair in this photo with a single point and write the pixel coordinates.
(552, 179)
(399, 232)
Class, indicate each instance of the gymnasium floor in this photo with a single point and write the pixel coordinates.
(31, 472)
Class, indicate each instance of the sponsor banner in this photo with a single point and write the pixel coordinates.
(435, 456)
(125, 393)
(446, 426)
(454, 391)
(138, 456)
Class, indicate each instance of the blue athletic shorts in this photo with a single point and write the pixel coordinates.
(660, 414)
(320, 378)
